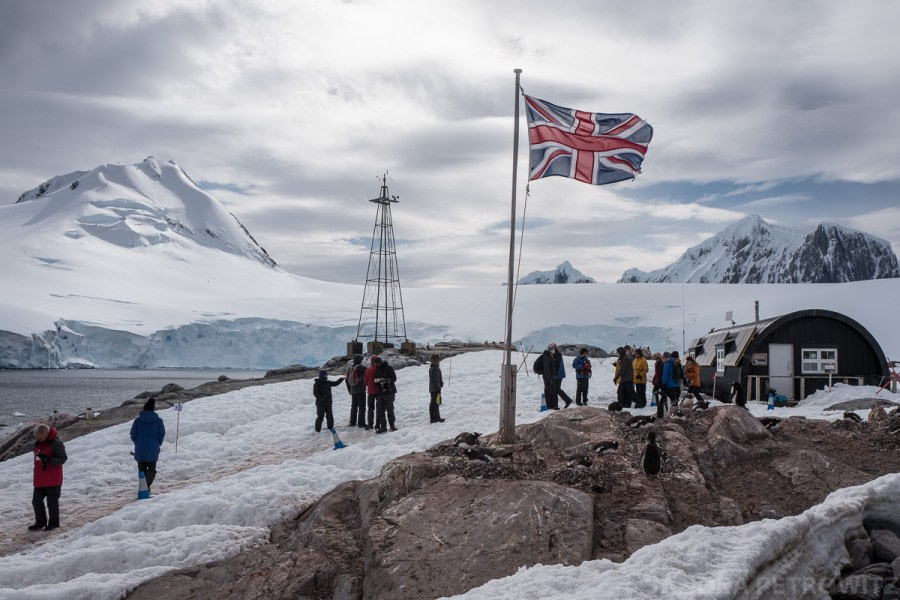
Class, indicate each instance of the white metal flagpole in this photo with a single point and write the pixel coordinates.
(508, 374)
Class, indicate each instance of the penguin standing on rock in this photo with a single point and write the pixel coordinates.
(480, 454)
(466, 440)
(737, 395)
(653, 458)
(605, 446)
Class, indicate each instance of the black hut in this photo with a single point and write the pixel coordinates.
(796, 354)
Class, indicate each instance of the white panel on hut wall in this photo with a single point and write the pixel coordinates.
(781, 369)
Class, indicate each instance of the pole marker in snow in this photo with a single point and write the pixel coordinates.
(143, 490)
(543, 402)
(338, 444)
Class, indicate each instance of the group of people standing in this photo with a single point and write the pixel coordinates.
(549, 365)
(632, 374)
(372, 392)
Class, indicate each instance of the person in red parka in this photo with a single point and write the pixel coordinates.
(49, 456)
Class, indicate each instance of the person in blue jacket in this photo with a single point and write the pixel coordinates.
(148, 432)
(582, 366)
(671, 381)
(560, 375)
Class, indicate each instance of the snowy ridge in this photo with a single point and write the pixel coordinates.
(564, 273)
(754, 251)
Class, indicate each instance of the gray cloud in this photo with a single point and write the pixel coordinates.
(289, 112)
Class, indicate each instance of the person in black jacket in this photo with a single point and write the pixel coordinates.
(435, 383)
(322, 392)
(385, 379)
(549, 368)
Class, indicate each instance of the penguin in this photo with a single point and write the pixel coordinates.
(769, 422)
(466, 440)
(894, 430)
(480, 454)
(653, 458)
(737, 394)
(686, 403)
(581, 462)
(605, 446)
(615, 407)
(640, 420)
(852, 416)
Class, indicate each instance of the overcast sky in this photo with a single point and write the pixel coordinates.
(289, 112)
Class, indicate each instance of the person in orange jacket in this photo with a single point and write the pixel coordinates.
(692, 375)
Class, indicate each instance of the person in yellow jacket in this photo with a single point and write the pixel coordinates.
(639, 364)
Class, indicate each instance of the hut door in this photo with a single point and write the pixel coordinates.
(781, 369)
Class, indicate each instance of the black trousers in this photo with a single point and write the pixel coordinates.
(561, 394)
(581, 391)
(550, 396)
(384, 407)
(434, 409)
(370, 416)
(51, 494)
(673, 394)
(625, 393)
(695, 392)
(149, 469)
(323, 410)
(640, 398)
(358, 409)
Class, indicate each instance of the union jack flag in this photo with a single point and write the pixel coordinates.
(595, 148)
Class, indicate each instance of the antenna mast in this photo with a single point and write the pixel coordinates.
(381, 317)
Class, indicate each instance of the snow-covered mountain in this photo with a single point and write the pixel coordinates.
(564, 273)
(754, 251)
(138, 206)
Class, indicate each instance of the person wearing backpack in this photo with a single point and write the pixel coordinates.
(582, 366)
(671, 378)
(322, 394)
(356, 386)
(545, 366)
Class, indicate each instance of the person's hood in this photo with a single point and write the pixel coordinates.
(52, 435)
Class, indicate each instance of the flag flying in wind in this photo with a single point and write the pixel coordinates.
(595, 148)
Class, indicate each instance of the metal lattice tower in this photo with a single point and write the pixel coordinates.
(381, 316)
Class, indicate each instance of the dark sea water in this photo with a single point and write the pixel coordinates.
(30, 394)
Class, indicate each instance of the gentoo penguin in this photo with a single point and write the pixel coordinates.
(852, 416)
(615, 407)
(605, 446)
(580, 461)
(640, 420)
(652, 458)
(701, 405)
(480, 454)
(737, 395)
(466, 440)
(769, 422)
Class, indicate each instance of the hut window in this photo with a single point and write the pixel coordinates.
(720, 359)
(818, 360)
